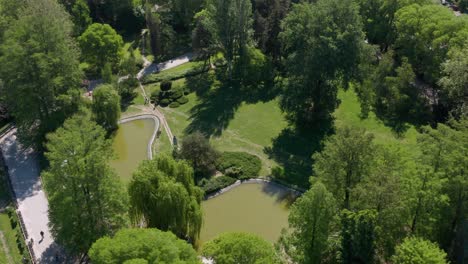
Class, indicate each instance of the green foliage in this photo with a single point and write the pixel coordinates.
(344, 162)
(358, 236)
(310, 221)
(106, 107)
(197, 149)
(415, 250)
(254, 68)
(80, 16)
(126, 88)
(455, 80)
(436, 29)
(182, 100)
(166, 85)
(249, 164)
(100, 44)
(174, 104)
(322, 42)
(139, 246)
(232, 248)
(162, 191)
(40, 70)
(171, 75)
(215, 184)
(106, 73)
(231, 25)
(86, 198)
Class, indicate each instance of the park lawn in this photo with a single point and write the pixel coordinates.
(254, 126)
(251, 129)
(181, 68)
(10, 238)
(162, 144)
(348, 114)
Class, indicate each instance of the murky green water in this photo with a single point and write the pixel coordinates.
(258, 208)
(130, 146)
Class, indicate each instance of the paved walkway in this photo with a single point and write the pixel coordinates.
(24, 173)
(162, 66)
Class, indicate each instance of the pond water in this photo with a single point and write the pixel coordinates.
(259, 208)
(130, 146)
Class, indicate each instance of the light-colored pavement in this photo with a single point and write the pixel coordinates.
(24, 173)
(162, 66)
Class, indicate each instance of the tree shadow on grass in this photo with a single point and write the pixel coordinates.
(293, 149)
(219, 101)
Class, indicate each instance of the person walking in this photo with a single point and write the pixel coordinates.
(42, 234)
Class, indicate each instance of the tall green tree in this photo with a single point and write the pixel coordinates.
(164, 196)
(232, 21)
(40, 65)
(445, 151)
(101, 44)
(147, 245)
(454, 81)
(86, 198)
(310, 220)
(415, 250)
(344, 162)
(197, 149)
(358, 236)
(232, 248)
(437, 30)
(106, 107)
(322, 44)
(382, 192)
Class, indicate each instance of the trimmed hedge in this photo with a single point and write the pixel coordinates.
(171, 75)
(215, 184)
(182, 100)
(174, 105)
(239, 164)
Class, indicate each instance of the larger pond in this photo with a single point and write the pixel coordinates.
(131, 145)
(259, 208)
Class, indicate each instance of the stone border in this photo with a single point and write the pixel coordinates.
(155, 132)
(250, 181)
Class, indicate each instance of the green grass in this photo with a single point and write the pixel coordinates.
(253, 127)
(10, 237)
(348, 114)
(181, 68)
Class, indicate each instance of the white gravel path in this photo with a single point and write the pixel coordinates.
(24, 173)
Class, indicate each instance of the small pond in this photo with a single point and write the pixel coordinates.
(130, 146)
(259, 208)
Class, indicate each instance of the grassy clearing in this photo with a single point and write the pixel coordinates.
(348, 114)
(254, 127)
(10, 238)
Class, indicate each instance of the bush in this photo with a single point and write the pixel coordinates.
(164, 102)
(174, 105)
(182, 100)
(249, 164)
(173, 75)
(234, 172)
(215, 184)
(176, 94)
(166, 85)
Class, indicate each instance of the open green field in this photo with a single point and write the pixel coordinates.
(259, 127)
(9, 251)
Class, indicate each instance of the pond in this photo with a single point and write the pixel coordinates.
(130, 146)
(259, 208)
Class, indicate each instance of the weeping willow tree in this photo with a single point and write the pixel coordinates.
(163, 195)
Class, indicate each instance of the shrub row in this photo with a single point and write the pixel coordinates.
(166, 96)
(215, 184)
(173, 75)
(240, 165)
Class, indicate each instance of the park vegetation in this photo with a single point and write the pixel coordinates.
(364, 200)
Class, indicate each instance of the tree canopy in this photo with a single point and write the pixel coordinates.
(101, 44)
(232, 248)
(197, 149)
(106, 107)
(415, 250)
(164, 196)
(322, 44)
(39, 65)
(147, 245)
(86, 198)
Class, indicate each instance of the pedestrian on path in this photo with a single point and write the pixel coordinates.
(42, 234)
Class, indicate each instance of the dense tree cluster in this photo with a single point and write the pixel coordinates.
(407, 61)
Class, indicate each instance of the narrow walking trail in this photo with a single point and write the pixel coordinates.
(23, 168)
(5, 248)
(150, 68)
